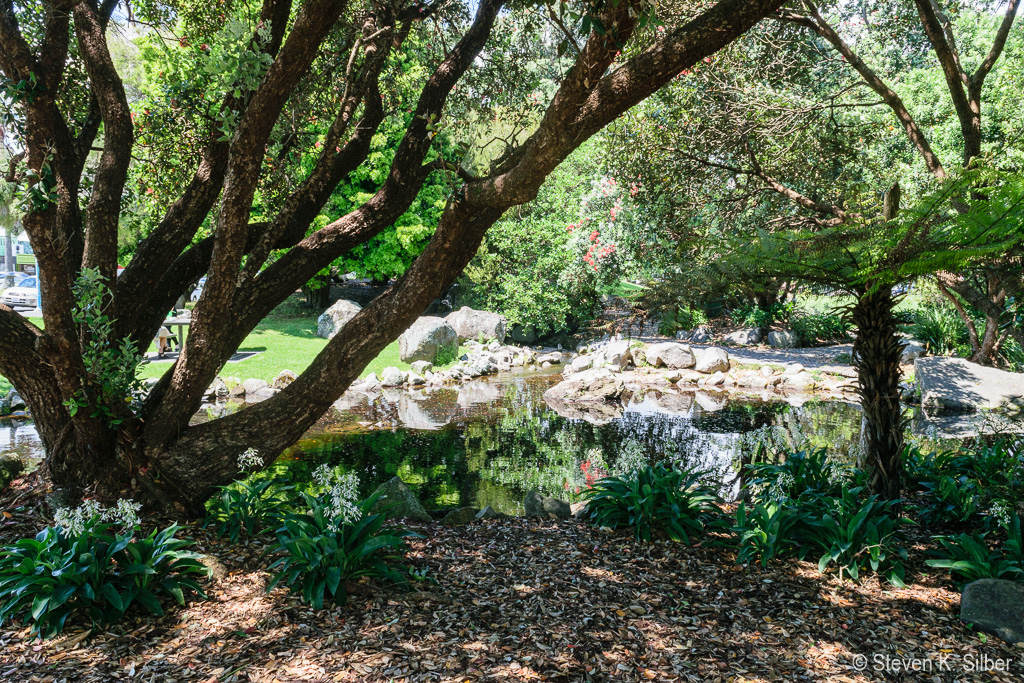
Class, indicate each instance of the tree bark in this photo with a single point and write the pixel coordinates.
(876, 352)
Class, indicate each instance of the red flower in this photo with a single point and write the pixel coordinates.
(593, 235)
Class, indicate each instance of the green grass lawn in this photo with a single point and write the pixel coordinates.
(286, 340)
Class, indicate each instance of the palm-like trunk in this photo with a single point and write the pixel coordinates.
(877, 352)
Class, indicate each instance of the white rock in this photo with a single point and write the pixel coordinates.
(712, 359)
(334, 318)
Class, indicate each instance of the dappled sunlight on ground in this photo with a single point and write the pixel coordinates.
(518, 600)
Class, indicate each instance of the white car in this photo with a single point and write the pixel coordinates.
(25, 294)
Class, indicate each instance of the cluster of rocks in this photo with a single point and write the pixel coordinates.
(249, 390)
(778, 339)
(12, 404)
(597, 374)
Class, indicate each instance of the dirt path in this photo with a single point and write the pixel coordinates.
(813, 358)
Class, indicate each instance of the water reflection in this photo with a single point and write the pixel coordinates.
(489, 442)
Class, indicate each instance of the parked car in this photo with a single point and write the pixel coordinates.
(198, 291)
(26, 293)
(13, 274)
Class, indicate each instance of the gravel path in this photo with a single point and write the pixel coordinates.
(821, 358)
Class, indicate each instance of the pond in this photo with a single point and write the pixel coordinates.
(489, 441)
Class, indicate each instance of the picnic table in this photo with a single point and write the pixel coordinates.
(181, 323)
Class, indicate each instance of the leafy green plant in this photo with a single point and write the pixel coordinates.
(951, 500)
(858, 533)
(657, 498)
(681, 318)
(765, 531)
(968, 557)
(940, 329)
(323, 549)
(93, 570)
(247, 508)
(797, 473)
(751, 315)
(814, 327)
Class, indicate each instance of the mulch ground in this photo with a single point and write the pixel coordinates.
(520, 600)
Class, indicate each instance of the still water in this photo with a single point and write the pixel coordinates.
(491, 440)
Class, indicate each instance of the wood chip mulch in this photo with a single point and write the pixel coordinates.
(523, 600)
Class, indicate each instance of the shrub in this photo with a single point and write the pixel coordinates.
(940, 329)
(655, 499)
(858, 533)
(968, 557)
(682, 318)
(765, 531)
(751, 315)
(94, 570)
(324, 548)
(247, 508)
(813, 327)
(798, 473)
(950, 500)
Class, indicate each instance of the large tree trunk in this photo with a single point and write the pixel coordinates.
(876, 353)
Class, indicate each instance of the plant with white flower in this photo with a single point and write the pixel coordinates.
(1002, 513)
(343, 492)
(72, 521)
(249, 459)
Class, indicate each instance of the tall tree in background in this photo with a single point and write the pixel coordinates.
(75, 373)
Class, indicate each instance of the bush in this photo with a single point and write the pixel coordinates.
(968, 557)
(751, 315)
(856, 535)
(950, 500)
(655, 499)
(799, 473)
(683, 318)
(816, 327)
(247, 508)
(324, 548)
(766, 531)
(93, 570)
(941, 330)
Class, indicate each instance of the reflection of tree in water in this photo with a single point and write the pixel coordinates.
(495, 453)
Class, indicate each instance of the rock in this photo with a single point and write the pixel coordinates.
(793, 368)
(995, 606)
(594, 412)
(253, 385)
(961, 385)
(489, 513)
(334, 318)
(783, 339)
(618, 354)
(802, 380)
(470, 324)
(712, 359)
(422, 367)
(215, 569)
(283, 379)
(371, 383)
(461, 516)
(392, 377)
(701, 335)
(716, 379)
(673, 376)
(429, 339)
(766, 371)
(671, 355)
(748, 337)
(580, 363)
(579, 510)
(911, 352)
(399, 501)
(218, 388)
(597, 384)
(555, 357)
(683, 335)
(237, 390)
(536, 505)
(709, 403)
(11, 467)
(524, 335)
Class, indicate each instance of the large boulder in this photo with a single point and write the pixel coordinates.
(283, 379)
(615, 353)
(598, 384)
(995, 606)
(11, 467)
(253, 385)
(671, 355)
(428, 339)
(399, 501)
(536, 505)
(392, 377)
(701, 335)
(958, 384)
(524, 334)
(334, 318)
(711, 360)
(748, 337)
(579, 364)
(783, 339)
(470, 324)
(912, 350)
